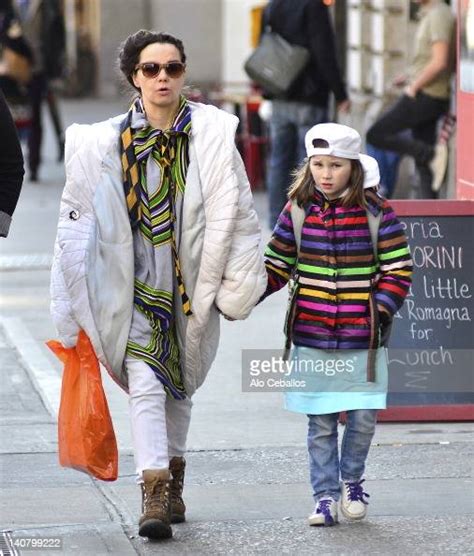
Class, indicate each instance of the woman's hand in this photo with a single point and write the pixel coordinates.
(221, 313)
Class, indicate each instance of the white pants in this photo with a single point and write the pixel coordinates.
(159, 423)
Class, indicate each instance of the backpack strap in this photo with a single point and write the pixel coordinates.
(298, 215)
(374, 225)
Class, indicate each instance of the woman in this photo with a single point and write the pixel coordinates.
(157, 235)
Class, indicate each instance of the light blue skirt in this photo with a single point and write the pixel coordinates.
(336, 381)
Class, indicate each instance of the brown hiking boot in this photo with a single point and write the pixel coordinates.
(155, 520)
(178, 509)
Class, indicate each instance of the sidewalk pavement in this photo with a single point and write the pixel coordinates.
(246, 487)
(240, 500)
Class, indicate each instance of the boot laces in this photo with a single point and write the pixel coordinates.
(356, 492)
(177, 481)
(177, 485)
(156, 494)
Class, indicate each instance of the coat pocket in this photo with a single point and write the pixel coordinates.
(110, 280)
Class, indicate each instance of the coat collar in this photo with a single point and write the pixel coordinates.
(374, 200)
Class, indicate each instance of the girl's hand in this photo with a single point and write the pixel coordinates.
(385, 326)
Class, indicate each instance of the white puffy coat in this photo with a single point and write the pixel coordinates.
(219, 246)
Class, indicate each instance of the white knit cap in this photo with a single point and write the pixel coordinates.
(345, 142)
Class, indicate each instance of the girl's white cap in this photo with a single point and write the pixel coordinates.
(371, 171)
(345, 142)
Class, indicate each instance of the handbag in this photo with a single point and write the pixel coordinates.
(18, 102)
(275, 63)
(86, 437)
(15, 65)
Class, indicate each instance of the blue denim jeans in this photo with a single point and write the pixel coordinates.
(324, 464)
(288, 125)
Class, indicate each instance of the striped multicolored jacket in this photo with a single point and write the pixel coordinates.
(340, 284)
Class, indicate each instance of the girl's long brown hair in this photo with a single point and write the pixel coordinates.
(302, 188)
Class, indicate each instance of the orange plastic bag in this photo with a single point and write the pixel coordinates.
(85, 433)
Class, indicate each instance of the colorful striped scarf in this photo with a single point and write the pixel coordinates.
(136, 147)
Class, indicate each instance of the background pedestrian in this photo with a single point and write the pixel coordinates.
(306, 23)
(11, 168)
(424, 100)
(43, 25)
(16, 60)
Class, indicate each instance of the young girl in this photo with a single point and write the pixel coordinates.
(347, 292)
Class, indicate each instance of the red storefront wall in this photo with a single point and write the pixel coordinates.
(465, 107)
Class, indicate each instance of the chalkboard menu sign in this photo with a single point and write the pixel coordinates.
(431, 349)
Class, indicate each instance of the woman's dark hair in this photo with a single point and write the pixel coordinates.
(302, 188)
(129, 51)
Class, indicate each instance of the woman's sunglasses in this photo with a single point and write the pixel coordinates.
(172, 69)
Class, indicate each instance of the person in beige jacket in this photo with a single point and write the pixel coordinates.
(424, 100)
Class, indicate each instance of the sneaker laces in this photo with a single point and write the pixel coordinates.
(323, 507)
(356, 492)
